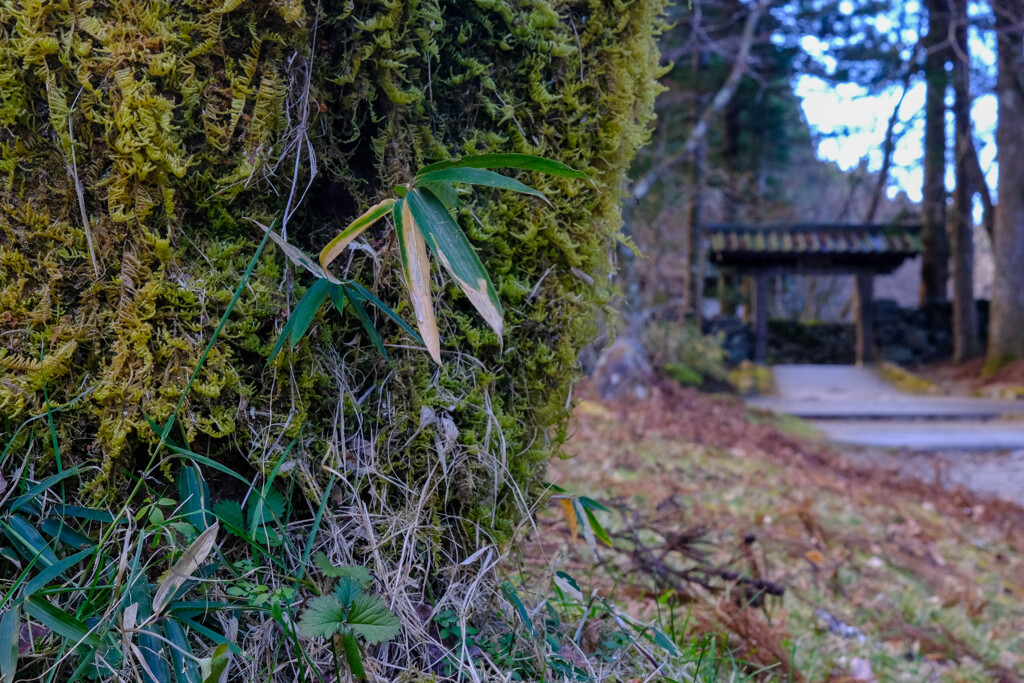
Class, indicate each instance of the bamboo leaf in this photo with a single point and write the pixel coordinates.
(185, 668)
(37, 490)
(446, 239)
(195, 497)
(52, 572)
(476, 176)
(61, 623)
(10, 633)
(368, 326)
(307, 307)
(186, 565)
(527, 162)
(353, 288)
(417, 276)
(510, 594)
(354, 229)
(28, 541)
(297, 256)
(443, 191)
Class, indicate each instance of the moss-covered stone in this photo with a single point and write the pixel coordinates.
(136, 139)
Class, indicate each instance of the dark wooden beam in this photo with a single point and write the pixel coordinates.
(761, 317)
(865, 327)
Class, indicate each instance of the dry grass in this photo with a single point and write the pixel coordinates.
(717, 514)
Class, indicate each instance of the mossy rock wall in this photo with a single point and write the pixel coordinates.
(140, 142)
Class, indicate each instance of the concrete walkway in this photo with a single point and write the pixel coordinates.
(855, 405)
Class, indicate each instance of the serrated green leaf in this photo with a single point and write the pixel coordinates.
(347, 589)
(353, 230)
(357, 290)
(360, 574)
(452, 248)
(370, 618)
(230, 513)
(10, 633)
(526, 162)
(324, 616)
(476, 176)
(413, 249)
(60, 622)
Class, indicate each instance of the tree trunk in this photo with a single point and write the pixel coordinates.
(966, 343)
(1006, 331)
(935, 260)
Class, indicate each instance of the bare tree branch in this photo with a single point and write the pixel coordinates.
(722, 98)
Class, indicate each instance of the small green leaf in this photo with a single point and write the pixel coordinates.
(10, 633)
(324, 616)
(360, 574)
(478, 176)
(338, 298)
(213, 668)
(61, 623)
(664, 642)
(371, 619)
(526, 162)
(347, 589)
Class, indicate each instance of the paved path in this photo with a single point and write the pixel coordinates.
(856, 406)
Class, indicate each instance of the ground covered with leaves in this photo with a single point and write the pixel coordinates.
(765, 554)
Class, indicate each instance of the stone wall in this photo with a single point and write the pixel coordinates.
(905, 336)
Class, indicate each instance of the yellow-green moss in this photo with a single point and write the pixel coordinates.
(180, 120)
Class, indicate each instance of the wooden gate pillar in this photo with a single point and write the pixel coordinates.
(865, 318)
(761, 317)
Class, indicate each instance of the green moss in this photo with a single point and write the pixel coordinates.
(181, 120)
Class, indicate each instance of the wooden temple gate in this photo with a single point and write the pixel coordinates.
(818, 249)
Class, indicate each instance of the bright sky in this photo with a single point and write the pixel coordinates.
(852, 123)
